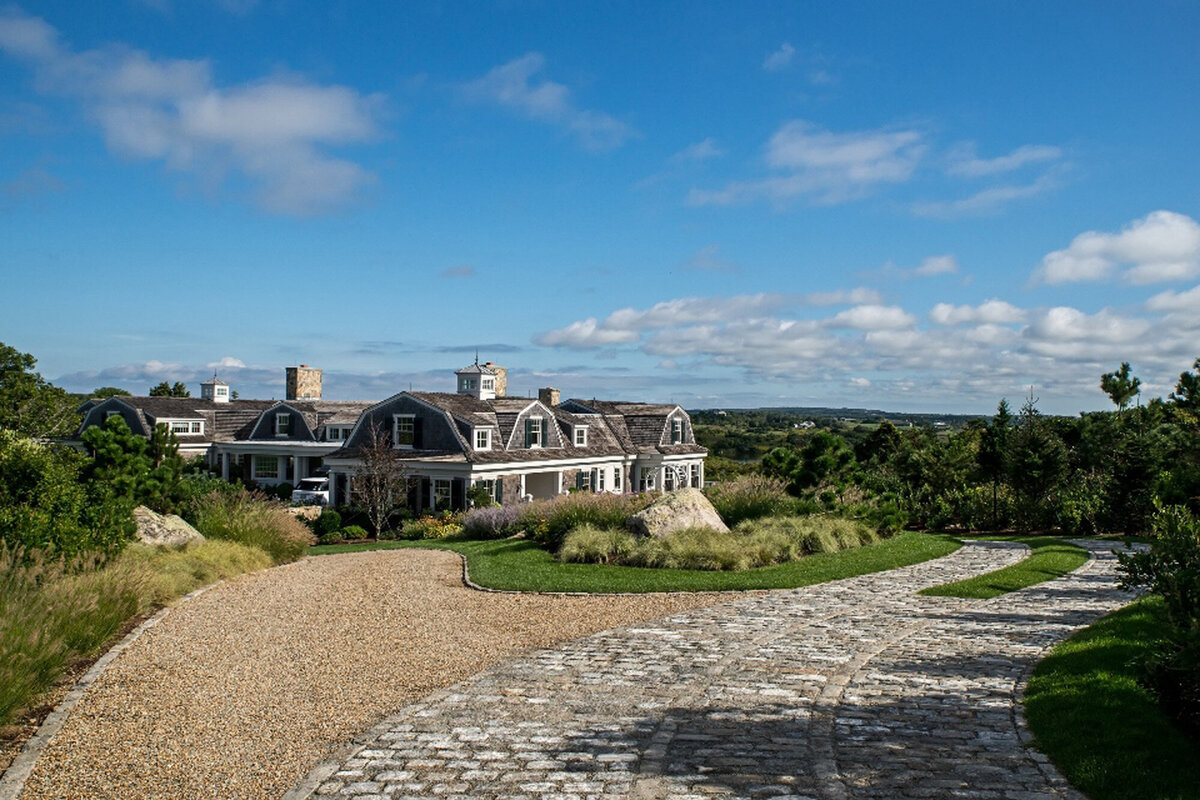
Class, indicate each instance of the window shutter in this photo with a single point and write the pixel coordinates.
(418, 437)
(579, 479)
(594, 480)
(500, 490)
(458, 493)
(423, 499)
(528, 433)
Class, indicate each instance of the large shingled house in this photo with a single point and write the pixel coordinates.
(521, 448)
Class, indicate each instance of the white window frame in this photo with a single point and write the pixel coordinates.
(581, 435)
(537, 432)
(483, 438)
(220, 391)
(646, 480)
(694, 476)
(178, 428)
(489, 383)
(283, 420)
(333, 433)
(412, 430)
(584, 482)
(676, 431)
(600, 478)
(197, 426)
(617, 479)
(256, 474)
(108, 414)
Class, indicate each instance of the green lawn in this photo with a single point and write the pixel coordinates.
(1102, 729)
(522, 565)
(1049, 559)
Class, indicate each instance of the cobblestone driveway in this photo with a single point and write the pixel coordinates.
(852, 689)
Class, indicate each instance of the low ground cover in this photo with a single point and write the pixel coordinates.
(522, 565)
(1049, 558)
(1092, 715)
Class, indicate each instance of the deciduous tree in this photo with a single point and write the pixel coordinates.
(383, 480)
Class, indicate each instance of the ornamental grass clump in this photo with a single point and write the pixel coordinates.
(549, 521)
(254, 520)
(589, 544)
(751, 497)
(693, 548)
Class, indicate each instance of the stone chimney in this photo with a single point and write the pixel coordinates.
(303, 383)
(501, 378)
(548, 396)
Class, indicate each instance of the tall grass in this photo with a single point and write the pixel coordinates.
(253, 520)
(751, 497)
(754, 543)
(52, 612)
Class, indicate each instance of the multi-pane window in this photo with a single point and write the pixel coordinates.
(283, 424)
(221, 391)
(197, 427)
(696, 476)
(583, 481)
(483, 439)
(402, 433)
(333, 434)
(600, 480)
(489, 383)
(617, 478)
(581, 436)
(533, 432)
(646, 480)
(266, 467)
(180, 427)
(441, 494)
(676, 431)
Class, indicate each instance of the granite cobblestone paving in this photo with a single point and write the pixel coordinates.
(858, 688)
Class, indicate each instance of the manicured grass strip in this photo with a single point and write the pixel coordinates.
(522, 565)
(1049, 559)
(1102, 729)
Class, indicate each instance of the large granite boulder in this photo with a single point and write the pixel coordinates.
(167, 530)
(686, 508)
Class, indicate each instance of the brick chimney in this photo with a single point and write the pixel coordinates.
(303, 383)
(548, 396)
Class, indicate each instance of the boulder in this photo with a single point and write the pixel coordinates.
(686, 508)
(167, 530)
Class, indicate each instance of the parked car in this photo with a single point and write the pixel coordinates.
(312, 492)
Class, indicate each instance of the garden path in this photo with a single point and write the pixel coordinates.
(853, 689)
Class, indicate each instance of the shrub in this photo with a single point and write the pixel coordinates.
(253, 520)
(592, 545)
(751, 497)
(329, 521)
(1171, 570)
(493, 522)
(812, 534)
(693, 548)
(283, 491)
(549, 521)
(440, 527)
(352, 532)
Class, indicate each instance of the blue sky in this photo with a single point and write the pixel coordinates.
(905, 206)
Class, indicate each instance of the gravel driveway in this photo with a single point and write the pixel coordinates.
(240, 691)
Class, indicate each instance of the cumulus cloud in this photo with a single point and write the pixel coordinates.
(964, 163)
(995, 312)
(1162, 246)
(873, 317)
(277, 132)
(779, 59)
(1188, 301)
(517, 87)
(586, 333)
(859, 295)
(824, 166)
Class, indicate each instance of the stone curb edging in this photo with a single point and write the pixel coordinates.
(12, 780)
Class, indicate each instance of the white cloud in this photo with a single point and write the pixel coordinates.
(989, 200)
(1162, 246)
(780, 59)
(693, 310)
(964, 162)
(994, 312)
(700, 151)
(873, 318)
(860, 383)
(1176, 301)
(824, 166)
(937, 265)
(857, 296)
(585, 334)
(515, 86)
(275, 131)
(227, 362)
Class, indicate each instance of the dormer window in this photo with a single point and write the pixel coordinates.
(283, 424)
(109, 414)
(533, 432)
(581, 435)
(184, 426)
(483, 439)
(402, 430)
(676, 431)
(336, 433)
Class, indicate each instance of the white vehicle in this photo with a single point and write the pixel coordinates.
(312, 492)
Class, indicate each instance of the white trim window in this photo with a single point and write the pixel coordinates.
(645, 480)
(581, 435)
(616, 479)
(183, 427)
(403, 429)
(600, 479)
(283, 424)
(483, 438)
(333, 433)
(534, 432)
(489, 383)
(676, 431)
(264, 467)
(220, 391)
(109, 414)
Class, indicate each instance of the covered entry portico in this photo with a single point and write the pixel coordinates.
(542, 485)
